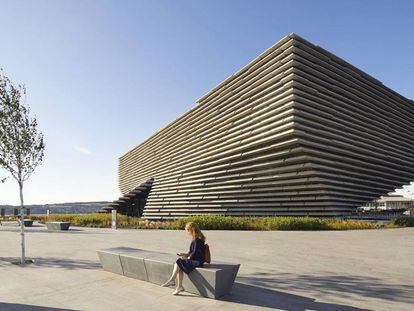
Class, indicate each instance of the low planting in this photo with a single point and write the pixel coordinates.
(275, 223)
(103, 221)
(403, 222)
(9, 218)
(82, 220)
(212, 222)
(292, 223)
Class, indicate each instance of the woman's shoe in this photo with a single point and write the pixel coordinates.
(178, 290)
(168, 283)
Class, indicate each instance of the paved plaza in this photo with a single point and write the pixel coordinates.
(280, 270)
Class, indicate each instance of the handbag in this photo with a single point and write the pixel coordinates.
(207, 255)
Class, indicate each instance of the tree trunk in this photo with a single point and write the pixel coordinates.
(23, 256)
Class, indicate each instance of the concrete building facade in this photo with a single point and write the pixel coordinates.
(298, 131)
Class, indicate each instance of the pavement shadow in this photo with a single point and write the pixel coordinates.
(58, 263)
(5, 306)
(262, 297)
(42, 229)
(343, 286)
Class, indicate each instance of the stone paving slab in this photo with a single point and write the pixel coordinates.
(325, 270)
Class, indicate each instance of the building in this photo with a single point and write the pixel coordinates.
(298, 131)
(391, 201)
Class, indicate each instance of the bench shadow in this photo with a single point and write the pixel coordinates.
(6, 306)
(261, 297)
(343, 286)
(42, 229)
(261, 292)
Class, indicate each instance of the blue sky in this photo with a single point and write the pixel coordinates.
(102, 76)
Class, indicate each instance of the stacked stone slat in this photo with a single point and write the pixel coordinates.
(127, 204)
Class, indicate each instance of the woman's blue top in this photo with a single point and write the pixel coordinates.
(197, 250)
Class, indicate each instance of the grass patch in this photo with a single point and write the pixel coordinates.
(211, 222)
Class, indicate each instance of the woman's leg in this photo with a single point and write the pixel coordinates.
(180, 287)
(180, 279)
(174, 274)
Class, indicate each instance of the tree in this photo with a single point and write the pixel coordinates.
(21, 145)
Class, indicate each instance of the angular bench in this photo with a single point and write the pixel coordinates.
(212, 280)
(26, 222)
(58, 225)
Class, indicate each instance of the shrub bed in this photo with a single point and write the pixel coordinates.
(403, 222)
(212, 222)
(103, 221)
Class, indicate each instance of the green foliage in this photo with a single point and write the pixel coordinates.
(273, 223)
(291, 223)
(349, 224)
(82, 220)
(103, 221)
(403, 222)
(21, 145)
(211, 222)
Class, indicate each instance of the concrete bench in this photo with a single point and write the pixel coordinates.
(57, 225)
(212, 280)
(26, 222)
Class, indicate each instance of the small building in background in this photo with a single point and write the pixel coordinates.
(391, 201)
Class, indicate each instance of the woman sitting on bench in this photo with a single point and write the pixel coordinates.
(188, 261)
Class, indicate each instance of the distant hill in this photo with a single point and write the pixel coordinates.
(61, 208)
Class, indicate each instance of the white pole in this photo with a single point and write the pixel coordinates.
(114, 219)
(23, 257)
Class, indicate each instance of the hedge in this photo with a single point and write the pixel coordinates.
(212, 222)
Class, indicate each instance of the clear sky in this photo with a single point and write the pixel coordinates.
(102, 76)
